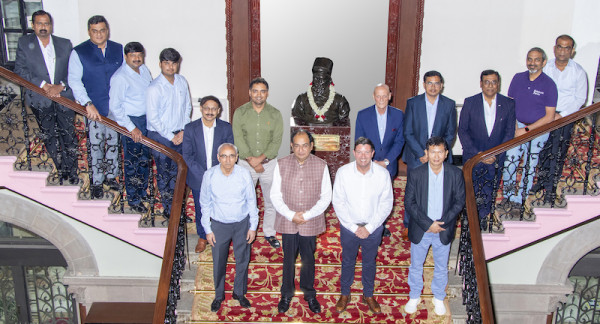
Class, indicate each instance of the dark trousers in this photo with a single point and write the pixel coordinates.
(166, 171)
(306, 245)
(58, 134)
(369, 246)
(550, 162)
(136, 164)
(197, 207)
(485, 180)
(225, 234)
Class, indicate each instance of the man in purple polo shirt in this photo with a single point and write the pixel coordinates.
(535, 98)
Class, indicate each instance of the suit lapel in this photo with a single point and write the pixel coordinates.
(200, 144)
(446, 190)
(38, 56)
(438, 117)
(422, 111)
(216, 139)
(388, 125)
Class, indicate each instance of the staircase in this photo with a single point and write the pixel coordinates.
(95, 213)
(548, 221)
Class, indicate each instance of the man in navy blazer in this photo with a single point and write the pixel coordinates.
(427, 115)
(487, 120)
(55, 121)
(435, 196)
(382, 124)
(201, 139)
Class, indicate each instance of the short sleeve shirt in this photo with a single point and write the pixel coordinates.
(532, 97)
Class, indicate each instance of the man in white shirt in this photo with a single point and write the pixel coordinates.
(169, 109)
(300, 193)
(572, 84)
(362, 199)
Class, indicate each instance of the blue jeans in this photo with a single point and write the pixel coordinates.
(513, 156)
(350, 245)
(418, 253)
(136, 164)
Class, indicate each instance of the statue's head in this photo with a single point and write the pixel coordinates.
(321, 70)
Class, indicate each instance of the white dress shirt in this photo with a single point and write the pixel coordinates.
(209, 138)
(362, 198)
(572, 85)
(49, 58)
(317, 209)
(431, 112)
(489, 113)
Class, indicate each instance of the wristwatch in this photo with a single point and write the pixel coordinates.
(526, 129)
(386, 161)
(89, 103)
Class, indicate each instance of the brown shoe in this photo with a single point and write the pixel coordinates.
(373, 305)
(405, 234)
(341, 304)
(201, 246)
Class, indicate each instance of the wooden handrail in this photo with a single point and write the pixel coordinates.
(174, 219)
(483, 287)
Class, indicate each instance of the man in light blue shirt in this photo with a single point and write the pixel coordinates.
(128, 104)
(169, 109)
(229, 214)
(435, 196)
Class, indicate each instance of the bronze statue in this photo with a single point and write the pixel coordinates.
(321, 105)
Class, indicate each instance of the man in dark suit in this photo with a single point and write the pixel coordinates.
(435, 195)
(382, 124)
(487, 120)
(427, 115)
(201, 138)
(42, 59)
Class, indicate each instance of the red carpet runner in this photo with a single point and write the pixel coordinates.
(391, 288)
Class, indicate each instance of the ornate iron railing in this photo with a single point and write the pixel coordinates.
(508, 181)
(101, 177)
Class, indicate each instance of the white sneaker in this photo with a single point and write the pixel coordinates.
(411, 305)
(439, 309)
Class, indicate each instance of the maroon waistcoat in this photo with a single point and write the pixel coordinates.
(301, 189)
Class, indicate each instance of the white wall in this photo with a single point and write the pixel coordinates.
(352, 34)
(194, 28)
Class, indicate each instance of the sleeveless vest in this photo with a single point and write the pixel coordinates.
(301, 189)
(98, 69)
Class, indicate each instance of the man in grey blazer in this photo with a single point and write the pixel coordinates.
(42, 59)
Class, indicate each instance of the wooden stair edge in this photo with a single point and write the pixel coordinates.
(120, 312)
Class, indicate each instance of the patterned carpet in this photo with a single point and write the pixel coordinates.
(391, 289)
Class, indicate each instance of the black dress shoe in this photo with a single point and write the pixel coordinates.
(284, 304)
(96, 191)
(244, 302)
(140, 209)
(273, 241)
(215, 305)
(386, 232)
(313, 305)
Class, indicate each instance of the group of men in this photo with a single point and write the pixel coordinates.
(227, 160)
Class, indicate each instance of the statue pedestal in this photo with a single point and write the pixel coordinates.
(332, 144)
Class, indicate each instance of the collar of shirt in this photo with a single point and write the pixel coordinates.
(368, 173)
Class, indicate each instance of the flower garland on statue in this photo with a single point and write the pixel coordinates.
(320, 111)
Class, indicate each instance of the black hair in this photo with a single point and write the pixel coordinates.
(489, 72)
(41, 13)
(133, 47)
(96, 20)
(363, 141)
(259, 80)
(433, 73)
(435, 141)
(209, 98)
(169, 54)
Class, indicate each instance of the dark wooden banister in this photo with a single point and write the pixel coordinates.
(174, 219)
(485, 300)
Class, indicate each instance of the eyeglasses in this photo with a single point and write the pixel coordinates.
(433, 84)
(488, 83)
